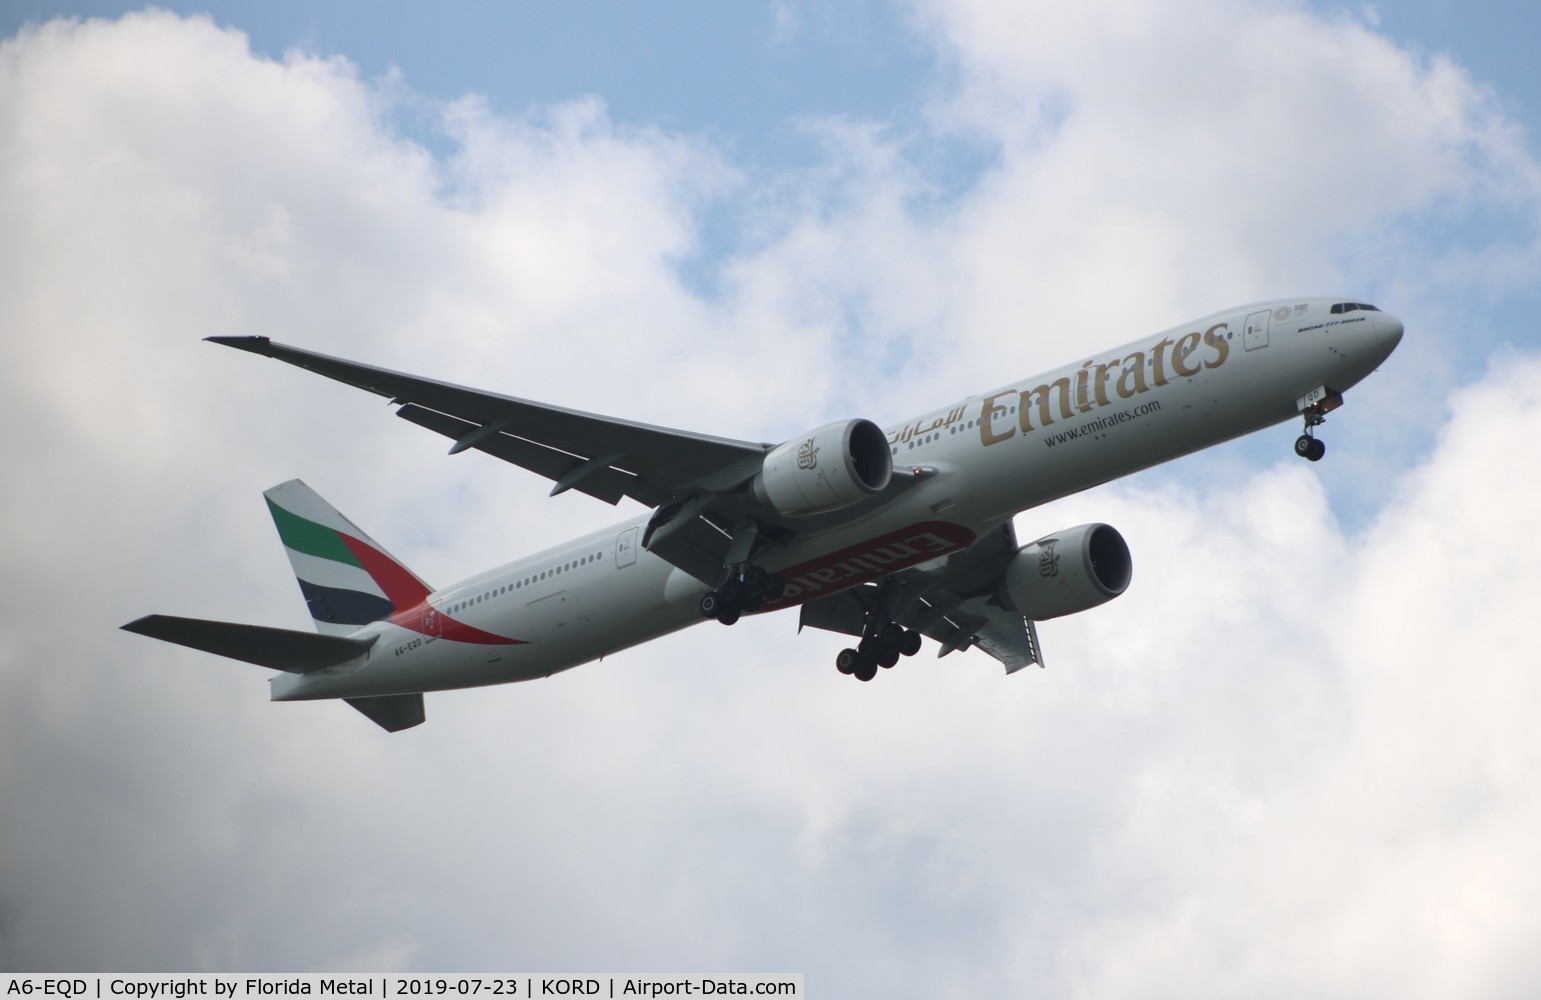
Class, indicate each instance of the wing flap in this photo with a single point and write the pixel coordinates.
(1011, 639)
(844, 612)
(693, 544)
(607, 484)
(276, 648)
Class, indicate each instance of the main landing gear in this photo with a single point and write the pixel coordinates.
(745, 590)
(878, 648)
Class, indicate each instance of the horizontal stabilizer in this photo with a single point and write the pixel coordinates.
(392, 712)
(278, 648)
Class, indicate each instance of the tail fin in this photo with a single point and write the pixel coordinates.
(347, 578)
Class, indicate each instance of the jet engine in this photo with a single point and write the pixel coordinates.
(1066, 572)
(832, 467)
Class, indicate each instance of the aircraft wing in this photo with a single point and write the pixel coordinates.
(602, 456)
(1003, 634)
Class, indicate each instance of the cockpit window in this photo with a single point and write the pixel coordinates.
(1348, 307)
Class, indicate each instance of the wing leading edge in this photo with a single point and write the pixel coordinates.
(605, 457)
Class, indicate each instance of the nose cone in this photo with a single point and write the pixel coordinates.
(1388, 333)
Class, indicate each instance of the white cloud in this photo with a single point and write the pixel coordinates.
(1293, 759)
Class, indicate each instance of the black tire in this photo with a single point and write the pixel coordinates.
(891, 635)
(711, 604)
(866, 670)
(846, 660)
(775, 586)
(1318, 449)
(910, 644)
(754, 578)
(1304, 445)
(731, 591)
(729, 614)
(888, 658)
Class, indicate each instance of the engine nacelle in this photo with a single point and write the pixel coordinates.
(833, 467)
(1066, 572)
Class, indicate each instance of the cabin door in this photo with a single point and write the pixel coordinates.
(1256, 334)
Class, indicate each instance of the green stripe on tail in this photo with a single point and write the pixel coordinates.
(309, 537)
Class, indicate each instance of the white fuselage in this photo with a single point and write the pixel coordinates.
(994, 455)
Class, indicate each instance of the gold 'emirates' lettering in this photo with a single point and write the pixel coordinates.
(1061, 400)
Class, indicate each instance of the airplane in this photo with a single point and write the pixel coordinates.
(888, 535)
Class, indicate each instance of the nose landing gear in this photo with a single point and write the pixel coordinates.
(1314, 406)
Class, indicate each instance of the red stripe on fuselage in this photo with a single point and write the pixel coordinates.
(869, 560)
(424, 619)
(409, 597)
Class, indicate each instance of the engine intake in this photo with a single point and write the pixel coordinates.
(1069, 571)
(832, 467)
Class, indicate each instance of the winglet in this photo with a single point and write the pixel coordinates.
(256, 345)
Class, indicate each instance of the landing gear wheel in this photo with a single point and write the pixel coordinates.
(866, 670)
(754, 578)
(846, 661)
(888, 659)
(732, 592)
(890, 635)
(714, 604)
(1310, 448)
(774, 587)
(910, 644)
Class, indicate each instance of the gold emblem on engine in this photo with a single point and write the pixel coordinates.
(1048, 562)
(807, 455)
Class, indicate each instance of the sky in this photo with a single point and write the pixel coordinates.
(1296, 758)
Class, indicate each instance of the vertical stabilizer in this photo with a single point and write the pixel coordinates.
(346, 577)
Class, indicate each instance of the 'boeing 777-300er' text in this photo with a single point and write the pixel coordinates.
(887, 534)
